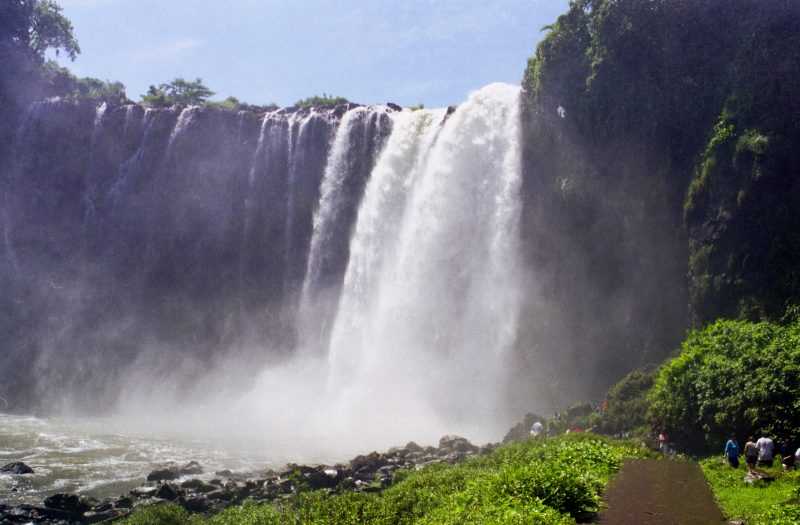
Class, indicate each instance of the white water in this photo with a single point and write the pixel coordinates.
(426, 317)
(429, 308)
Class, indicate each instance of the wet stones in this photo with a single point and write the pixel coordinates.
(68, 502)
(17, 467)
(371, 472)
(173, 472)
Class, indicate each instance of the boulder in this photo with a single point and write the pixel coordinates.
(17, 467)
(412, 447)
(164, 474)
(192, 468)
(167, 492)
(144, 492)
(71, 503)
(450, 444)
(173, 472)
(369, 463)
(100, 517)
(196, 504)
(198, 485)
(393, 106)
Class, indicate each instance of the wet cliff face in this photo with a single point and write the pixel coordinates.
(181, 231)
(659, 183)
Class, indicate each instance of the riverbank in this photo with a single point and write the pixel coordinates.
(553, 481)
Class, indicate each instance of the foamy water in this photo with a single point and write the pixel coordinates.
(94, 457)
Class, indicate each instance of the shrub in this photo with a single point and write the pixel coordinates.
(321, 101)
(626, 403)
(733, 376)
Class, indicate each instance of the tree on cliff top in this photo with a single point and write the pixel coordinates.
(179, 91)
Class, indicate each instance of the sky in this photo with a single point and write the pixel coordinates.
(278, 51)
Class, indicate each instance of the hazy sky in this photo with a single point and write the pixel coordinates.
(261, 51)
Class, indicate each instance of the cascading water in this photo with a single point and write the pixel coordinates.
(364, 257)
(358, 139)
(429, 305)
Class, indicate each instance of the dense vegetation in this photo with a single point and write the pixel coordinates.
(625, 407)
(321, 101)
(660, 144)
(773, 503)
(179, 91)
(733, 376)
(535, 482)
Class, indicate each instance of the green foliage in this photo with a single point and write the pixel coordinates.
(179, 91)
(733, 376)
(546, 482)
(759, 504)
(162, 514)
(321, 101)
(33, 27)
(627, 404)
(61, 82)
(49, 29)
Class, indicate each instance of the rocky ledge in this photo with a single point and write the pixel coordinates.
(366, 473)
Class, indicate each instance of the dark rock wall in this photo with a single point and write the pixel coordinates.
(179, 233)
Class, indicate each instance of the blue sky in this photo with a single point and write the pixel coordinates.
(262, 51)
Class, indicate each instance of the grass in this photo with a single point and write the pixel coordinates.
(773, 503)
(545, 482)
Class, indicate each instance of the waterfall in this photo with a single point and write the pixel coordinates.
(358, 139)
(429, 307)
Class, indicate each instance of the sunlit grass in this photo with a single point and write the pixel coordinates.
(763, 503)
(548, 482)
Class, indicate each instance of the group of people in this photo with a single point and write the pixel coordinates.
(761, 453)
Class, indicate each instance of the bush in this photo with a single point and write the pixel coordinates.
(626, 403)
(733, 376)
(321, 101)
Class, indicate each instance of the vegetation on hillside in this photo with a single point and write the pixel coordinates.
(553, 481)
(660, 143)
(732, 376)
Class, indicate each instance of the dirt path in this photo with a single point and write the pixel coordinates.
(660, 492)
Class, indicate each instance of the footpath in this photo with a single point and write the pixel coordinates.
(660, 492)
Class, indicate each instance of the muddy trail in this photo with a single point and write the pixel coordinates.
(660, 492)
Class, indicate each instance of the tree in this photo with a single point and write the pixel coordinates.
(31, 27)
(179, 91)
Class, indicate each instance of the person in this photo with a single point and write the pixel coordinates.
(750, 454)
(536, 429)
(732, 452)
(663, 441)
(766, 448)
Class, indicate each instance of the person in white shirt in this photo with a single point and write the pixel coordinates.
(766, 450)
(536, 429)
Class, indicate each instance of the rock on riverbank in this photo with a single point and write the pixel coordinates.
(365, 473)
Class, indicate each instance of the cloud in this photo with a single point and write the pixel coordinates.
(167, 51)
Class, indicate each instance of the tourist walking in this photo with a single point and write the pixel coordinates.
(766, 450)
(732, 452)
(750, 454)
(536, 429)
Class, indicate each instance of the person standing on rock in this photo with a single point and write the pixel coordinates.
(766, 450)
(750, 454)
(732, 452)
